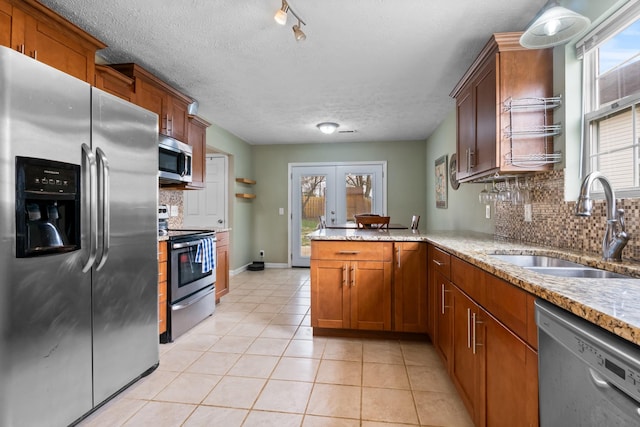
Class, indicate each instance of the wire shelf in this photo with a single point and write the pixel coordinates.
(532, 104)
(533, 160)
(538, 131)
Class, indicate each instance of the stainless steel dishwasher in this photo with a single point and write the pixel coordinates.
(588, 376)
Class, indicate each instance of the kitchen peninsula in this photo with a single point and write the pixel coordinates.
(477, 310)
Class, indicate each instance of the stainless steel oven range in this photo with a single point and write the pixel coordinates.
(191, 288)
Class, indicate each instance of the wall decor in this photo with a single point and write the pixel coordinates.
(441, 182)
(453, 171)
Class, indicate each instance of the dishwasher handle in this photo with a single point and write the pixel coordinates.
(613, 394)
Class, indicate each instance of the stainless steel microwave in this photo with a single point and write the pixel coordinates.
(174, 161)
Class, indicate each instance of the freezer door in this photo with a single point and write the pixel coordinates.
(125, 274)
(45, 302)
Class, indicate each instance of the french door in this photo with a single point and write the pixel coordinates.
(336, 192)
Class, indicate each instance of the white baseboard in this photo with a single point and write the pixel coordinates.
(266, 265)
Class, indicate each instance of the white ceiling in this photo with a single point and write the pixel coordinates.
(383, 68)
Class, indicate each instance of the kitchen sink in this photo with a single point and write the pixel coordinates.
(558, 267)
(536, 261)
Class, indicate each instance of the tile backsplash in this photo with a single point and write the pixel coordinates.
(554, 223)
(172, 198)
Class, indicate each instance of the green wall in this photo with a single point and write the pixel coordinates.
(241, 211)
(463, 212)
(405, 184)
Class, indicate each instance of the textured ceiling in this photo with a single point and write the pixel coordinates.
(381, 68)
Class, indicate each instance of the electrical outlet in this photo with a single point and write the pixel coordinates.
(280, 211)
(487, 211)
(261, 253)
(528, 213)
(174, 210)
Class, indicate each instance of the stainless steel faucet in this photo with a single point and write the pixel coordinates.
(615, 236)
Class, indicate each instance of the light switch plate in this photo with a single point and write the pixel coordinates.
(487, 211)
(174, 210)
(528, 213)
(280, 211)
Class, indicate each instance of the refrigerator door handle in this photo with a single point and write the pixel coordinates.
(103, 174)
(91, 204)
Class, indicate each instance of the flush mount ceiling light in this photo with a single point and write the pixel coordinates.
(555, 26)
(281, 18)
(328, 127)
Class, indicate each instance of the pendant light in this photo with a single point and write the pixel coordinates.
(557, 25)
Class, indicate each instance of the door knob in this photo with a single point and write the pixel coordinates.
(220, 221)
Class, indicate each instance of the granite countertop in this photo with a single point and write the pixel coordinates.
(613, 304)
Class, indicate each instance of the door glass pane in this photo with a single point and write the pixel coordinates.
(359, 194)
(312, 205)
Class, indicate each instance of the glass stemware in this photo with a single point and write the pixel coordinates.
(493, 194)
(483, 197)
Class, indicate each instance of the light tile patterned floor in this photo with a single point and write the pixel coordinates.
(255, 362)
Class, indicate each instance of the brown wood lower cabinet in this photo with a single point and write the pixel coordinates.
(410, 287)
(487, 342)
(351, 285)
(222, 264)
(162, 287)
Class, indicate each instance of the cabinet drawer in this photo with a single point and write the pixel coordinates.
(162, 251)
(162, 318)
(222, 238)
(162, 272)
(508, 304)
(440, 261)
(468, 278)
(162, 292)
(347, 250)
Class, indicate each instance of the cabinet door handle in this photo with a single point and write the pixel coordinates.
(469, 328)
(398, 253)
(467, 152)
(472, 159)
(475, 321)
(35, 55)
(344, 275)
(21, 48)
(353, 276)
(438, 263)
(348, 252)
(442, 298)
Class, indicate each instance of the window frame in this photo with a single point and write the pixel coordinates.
(587, 50)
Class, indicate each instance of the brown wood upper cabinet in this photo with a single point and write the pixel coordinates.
(155, 95)
(492, 138)
(32, 29)
(197, 139)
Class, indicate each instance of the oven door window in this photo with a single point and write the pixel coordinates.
(189, 270)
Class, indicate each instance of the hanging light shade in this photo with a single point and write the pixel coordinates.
(328, 127)
(555, 26)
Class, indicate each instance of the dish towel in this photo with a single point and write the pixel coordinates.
(206, 254)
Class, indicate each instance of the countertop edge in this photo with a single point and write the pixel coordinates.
(614, 307)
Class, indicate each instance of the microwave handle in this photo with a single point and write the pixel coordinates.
(182, 159)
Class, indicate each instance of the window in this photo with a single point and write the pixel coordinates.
(611, 61)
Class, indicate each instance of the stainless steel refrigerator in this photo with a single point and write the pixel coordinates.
(78, 244)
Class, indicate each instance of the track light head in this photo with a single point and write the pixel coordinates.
(298, 33)
(281, 14)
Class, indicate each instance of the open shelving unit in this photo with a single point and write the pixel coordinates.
(245, 195)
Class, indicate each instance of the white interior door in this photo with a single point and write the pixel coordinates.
(208, 207)
(335, 191)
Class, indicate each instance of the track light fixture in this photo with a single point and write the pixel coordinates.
(281, 18)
